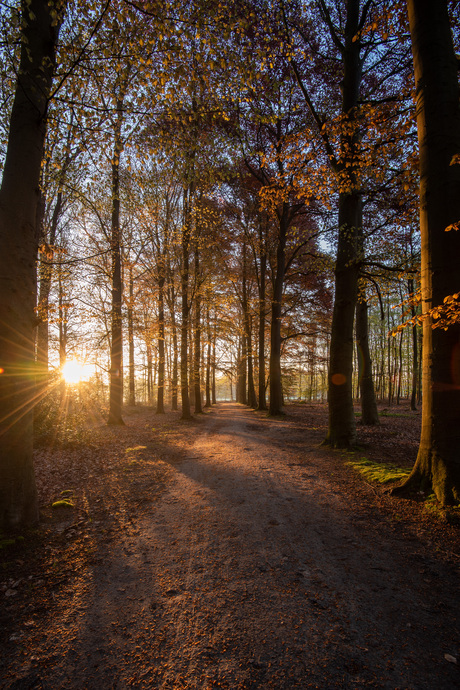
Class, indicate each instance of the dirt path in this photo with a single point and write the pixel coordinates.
(252, 570)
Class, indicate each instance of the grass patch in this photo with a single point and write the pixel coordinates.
(378, 471)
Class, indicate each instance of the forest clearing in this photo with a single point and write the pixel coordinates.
(231, 551)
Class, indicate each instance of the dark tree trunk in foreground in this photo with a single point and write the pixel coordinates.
(369, 412)
(18, 203)
(438, 123)
(116, 344)
(342, 424)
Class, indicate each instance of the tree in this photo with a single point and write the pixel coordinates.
(40, 23)
(438, 124)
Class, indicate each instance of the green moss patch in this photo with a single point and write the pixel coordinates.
(64, 503)
(378, 471)
(4, 543)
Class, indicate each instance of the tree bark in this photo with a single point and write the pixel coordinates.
(45, 274)
(213, 368)
(197, 338)
(276, 386)
(369, 412)
(249, 367)
(208, 357)
(131, 377)
(342, 423)
(414, 339)
(18, 203)
(185, 399)
(116, 345)
(438, 123)
(161, 346)
(261, 349)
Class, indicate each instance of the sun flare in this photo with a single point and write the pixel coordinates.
(75, 371)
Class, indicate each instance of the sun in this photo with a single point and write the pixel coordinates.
(75, 371)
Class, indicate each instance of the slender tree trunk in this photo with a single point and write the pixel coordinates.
(413, 397)
(62, 319)
(161, 346)
(175, 356)
(276, 386)
(438, 124)
(185, 399)
(369, 413)
(46, 265)
(175, 368)
(252, 399)
(241, 389)
(132, 390)
(213, 370)
(197, 339)
(149, 375)
(116, 349)
(45, 273)
(261, 353)
(208, 358)
(18, 205)
(342, 424)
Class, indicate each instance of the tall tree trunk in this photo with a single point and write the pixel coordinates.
(241, 391)
(46, 265)
(208, 357)
(45, 274)
(18, 203)
(149, 374)
(175, 356)
(342, 424)
(213, 369)
(197, 338)
(252, 399)
(261, 345)
(116, 345)
(62, 316)
(131, 378)
(438, 124)
(276, 386)
(161, 346)
(249, 366)
(185, 399)
(369, 412)
(413, 397)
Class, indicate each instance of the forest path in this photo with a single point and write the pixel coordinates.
(255, 569)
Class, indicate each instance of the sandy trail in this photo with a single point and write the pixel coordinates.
(253, 571)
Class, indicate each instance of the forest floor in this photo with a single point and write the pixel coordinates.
(232, 551)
